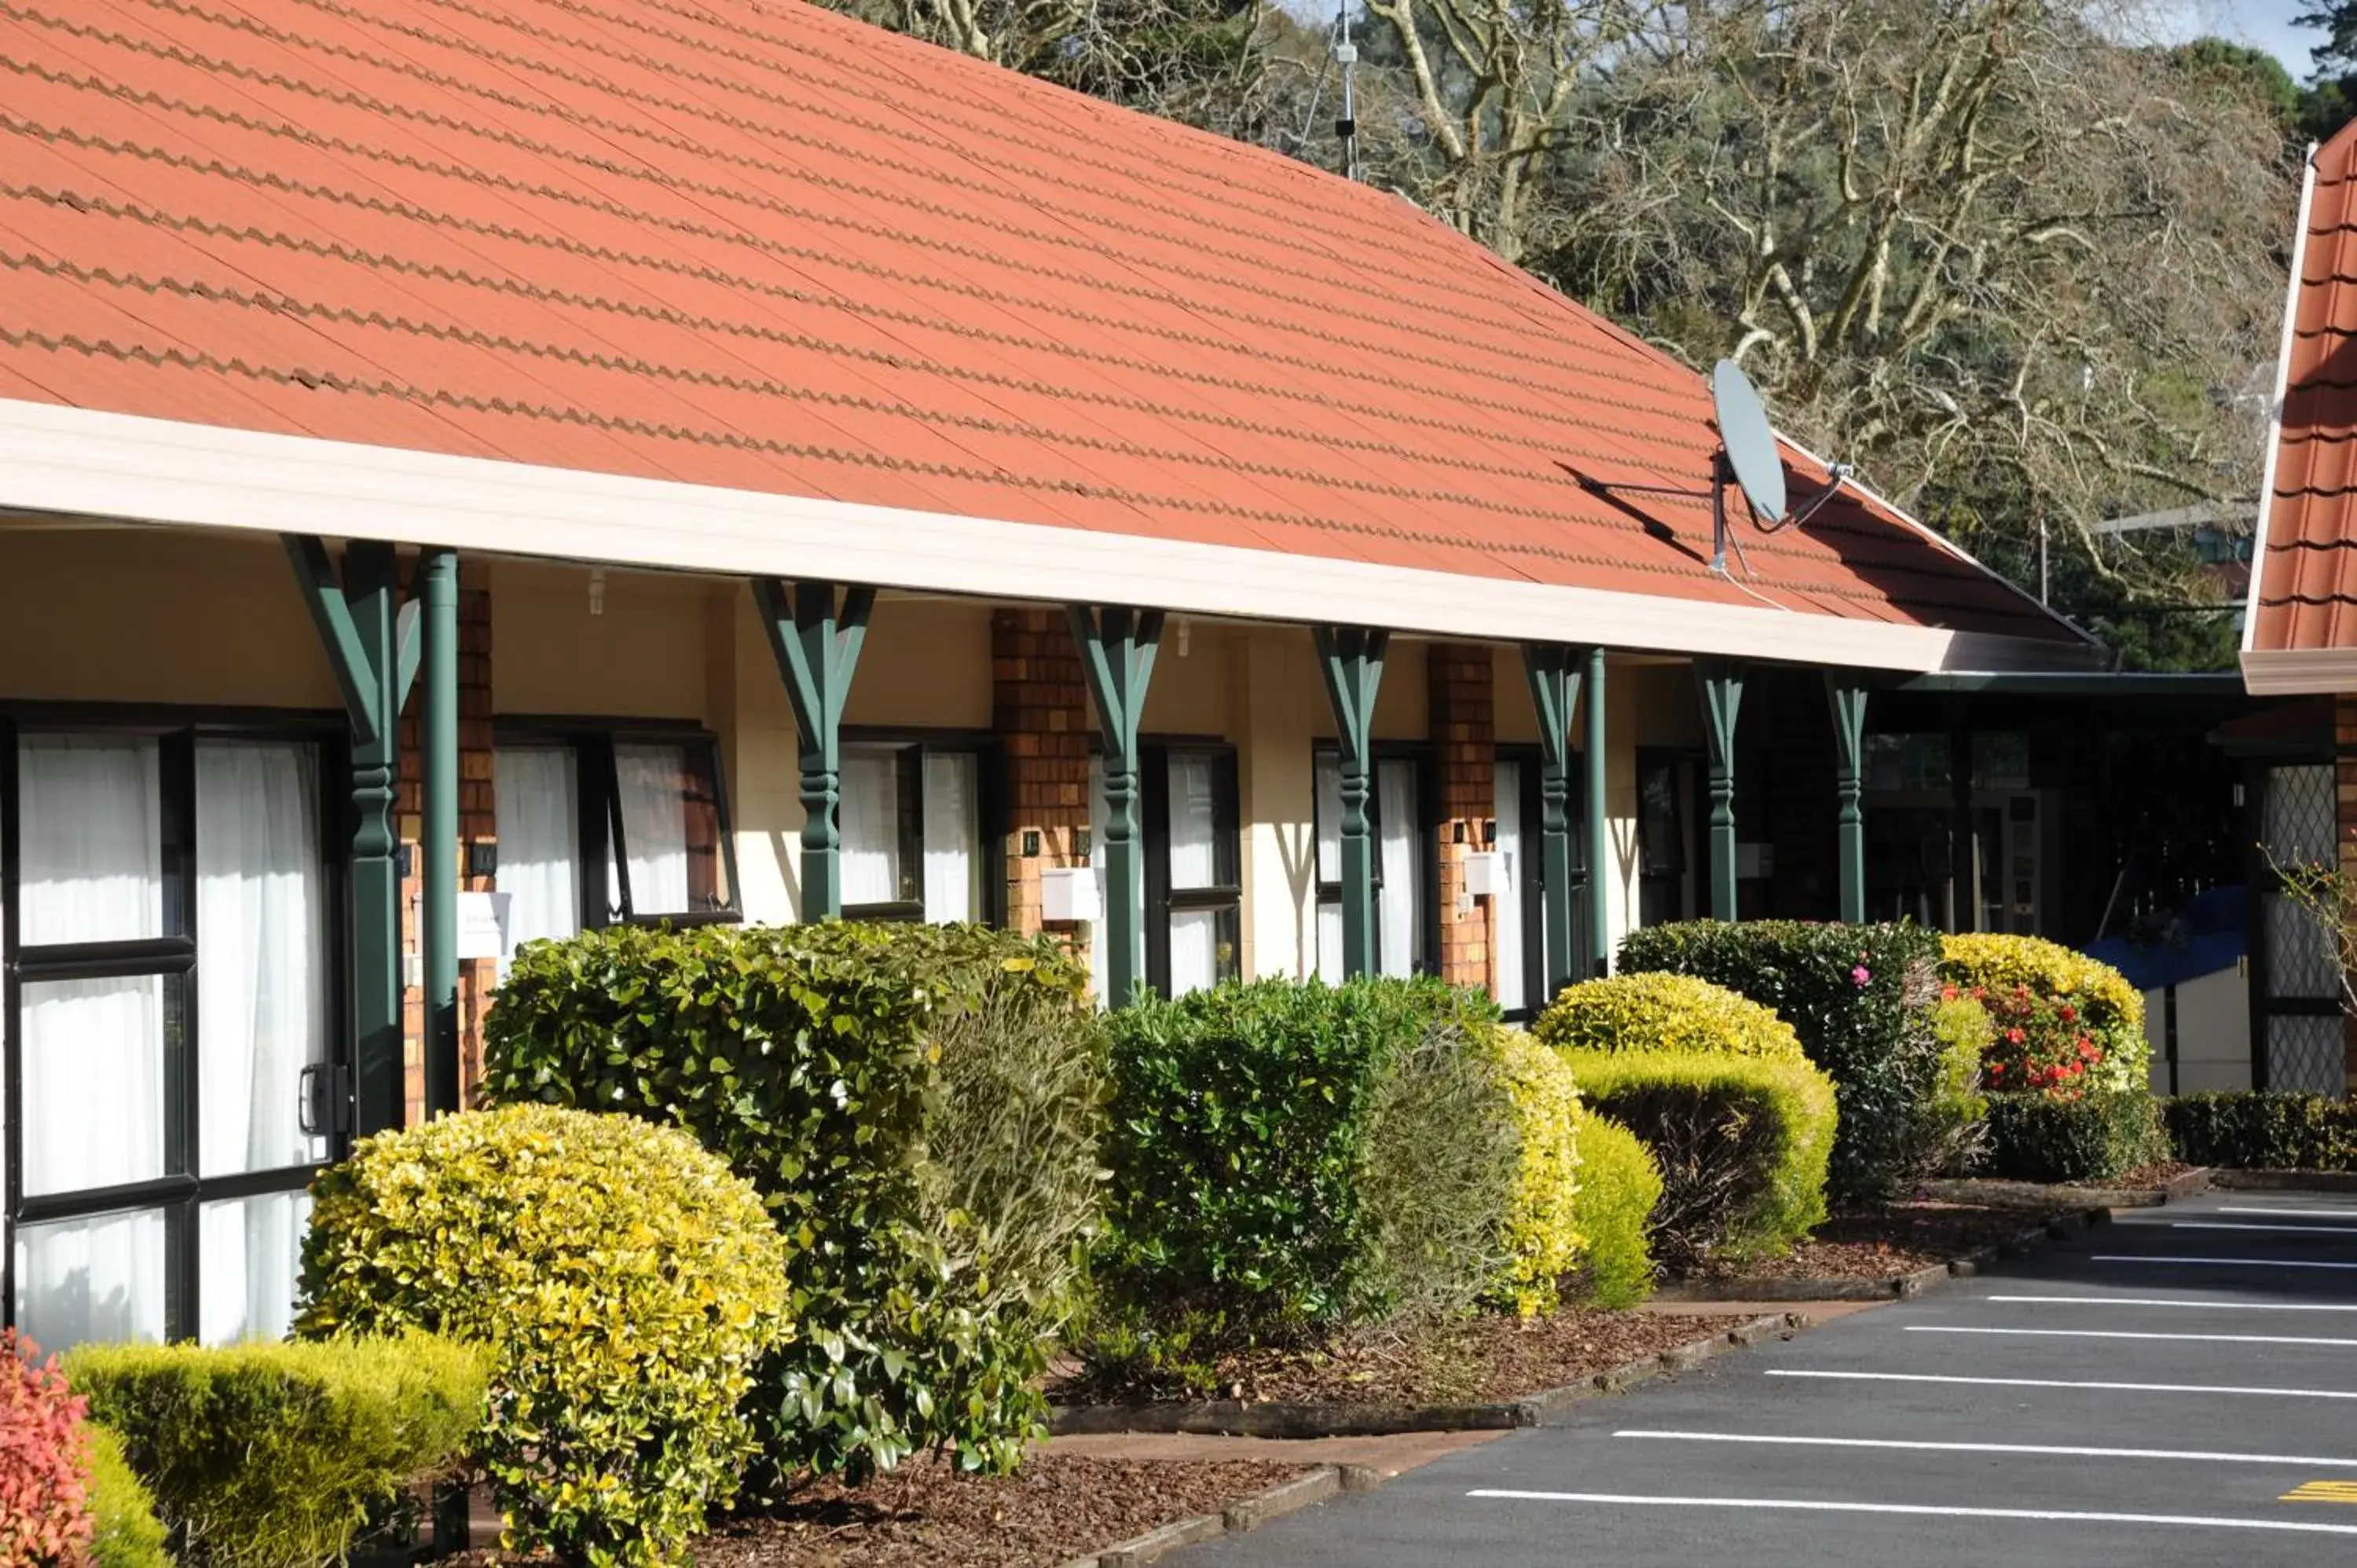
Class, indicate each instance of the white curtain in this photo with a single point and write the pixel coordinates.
(536, 793)
(1194, 950)
(1329, 943)
(1506, 906)
(253, 1252)
(98, 1279)
(870, 819)
(952, 836)
(1399, 904)
(652, 781)
(92, 842)
(93, 1077)
(1194, 822)
(1328, 782)
(262, 1006)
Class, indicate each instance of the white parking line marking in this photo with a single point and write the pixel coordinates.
(2176, 1301)
(2196, 1456)
(1770, 1505)
(2222, 1262)
(2128, 1333)
(2238, 1225)
(2065, 1384)
(2294, 1213)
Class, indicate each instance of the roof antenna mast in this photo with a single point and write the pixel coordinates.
(1346, 55)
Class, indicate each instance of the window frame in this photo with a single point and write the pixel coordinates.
(1162, 900)
(916, 742)
(1676, 882)
(1425, 757)
(598, 809)
(180, 1193)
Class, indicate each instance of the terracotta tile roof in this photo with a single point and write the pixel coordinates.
(2307, 597)
(752, 243)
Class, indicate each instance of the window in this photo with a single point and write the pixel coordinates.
(1665, 821)
(1406, 917)
(1518, 935)
(600, 827)
(160, 1167)
(912, 825)
(1189, 825)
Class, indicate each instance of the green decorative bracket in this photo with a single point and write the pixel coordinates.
(1553, 672)
(1847, 697)
(1117, 648)
(360, 628)
(1722, 695)
(816, 642)
(1351, 659)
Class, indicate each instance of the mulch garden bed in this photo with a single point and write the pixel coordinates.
(1057, 1507)
(1480, 1360)
(1894, 1238)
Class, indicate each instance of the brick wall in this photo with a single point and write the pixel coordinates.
(1459, 681)
(1040, 712)
(478, 822)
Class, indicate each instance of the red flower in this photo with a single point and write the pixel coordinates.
(2069, 1014)
(2014, 1037)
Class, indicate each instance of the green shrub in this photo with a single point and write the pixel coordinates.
(625, 1280)
(273, 1455)
(1619, 1186)
(1663, 1013)
(2249, 1130)
(1741, 1143)
(2069, 996)
(1440, 1166)
(1237, 1148)
(2093, 1136)
(1859, 997)
(127, 1534)
(920, 1107)
(1951, 1126)
(1543, 1226)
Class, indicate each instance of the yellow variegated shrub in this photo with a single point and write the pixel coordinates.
(1541, 1237)
(1619, 1186)
(1654, 1011)
(624, 1279)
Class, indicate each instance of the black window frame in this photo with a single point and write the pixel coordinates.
(180, 1193)
(915, 744)
(1425, 757)
(604, 842)
(1659, 877)
(1530, 758)
(1162, 900)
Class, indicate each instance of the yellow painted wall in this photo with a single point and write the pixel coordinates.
(642, 657)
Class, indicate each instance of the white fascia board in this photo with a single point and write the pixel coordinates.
(2276, 409)
(2299, 671)
(87, 463)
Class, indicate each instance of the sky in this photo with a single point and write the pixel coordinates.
(2264, 24)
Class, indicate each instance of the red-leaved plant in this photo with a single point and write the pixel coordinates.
(2041, 1045)
(44, 1499)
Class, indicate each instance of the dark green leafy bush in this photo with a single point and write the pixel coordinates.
(919, 1107)
(127, 1534)
(625, 1282)
(272, 1456)
(2263, 1131)
(1619, 1186)
(1740, 1144)
(2093, 1136)
(1860, 999)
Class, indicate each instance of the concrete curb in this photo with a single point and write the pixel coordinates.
(1303, 1491)
(2284, 1181)
(1275, 1419)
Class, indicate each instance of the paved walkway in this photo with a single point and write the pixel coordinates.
(2176, 1388)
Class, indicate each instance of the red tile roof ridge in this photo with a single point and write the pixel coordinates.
(428, 398)
(1522, 408)
(1256, 282)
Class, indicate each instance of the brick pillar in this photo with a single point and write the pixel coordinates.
(478, 822)
(1040, 712)
(2344, 795)
(1459, 683)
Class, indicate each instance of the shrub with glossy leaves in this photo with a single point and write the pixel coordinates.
(2092, 1136)
(1661, 1012)
(1619, 1186)
(919, 1107)
(1741, 1143)
(1859, 997)
(2071, 998)
(273, 1455)
(2243, 1130)
(124, 1531)
(625, 1280)
(1543, 1224)
(44, 1498)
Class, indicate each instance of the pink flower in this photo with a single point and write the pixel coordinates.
(1859, 977)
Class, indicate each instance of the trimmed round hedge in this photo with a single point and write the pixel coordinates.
(2107, 1007)
(1619, 1186)
(1542, 1228)
(626, 1282)
(1663, 1012)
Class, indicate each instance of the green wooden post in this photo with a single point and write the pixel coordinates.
(437, 581)
(359, 626)
(816, 644)
(1599, 911)
(1555, 692)
(1847, 695)
(1351, 659)
(1117, 648)
(1722, 695)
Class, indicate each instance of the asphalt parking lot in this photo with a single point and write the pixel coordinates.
(2177, 1388)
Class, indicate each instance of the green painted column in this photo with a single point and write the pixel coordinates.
(1722, 696)
(1117, 648)
(1600, 839)
(438, 726)
(1352, 660)
(1553, 673)
(816, 644)
(1847, 695)
(359, 626)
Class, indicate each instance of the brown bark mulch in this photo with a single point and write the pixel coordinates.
(1474, 1361)
(1891, 1240)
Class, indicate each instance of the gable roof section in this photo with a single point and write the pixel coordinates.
(761, 248)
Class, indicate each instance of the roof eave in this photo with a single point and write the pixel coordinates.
(2275, 407)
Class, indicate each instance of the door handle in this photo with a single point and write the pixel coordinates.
(324, 1101)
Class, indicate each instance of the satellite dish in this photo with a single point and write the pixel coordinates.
(1751, 444)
